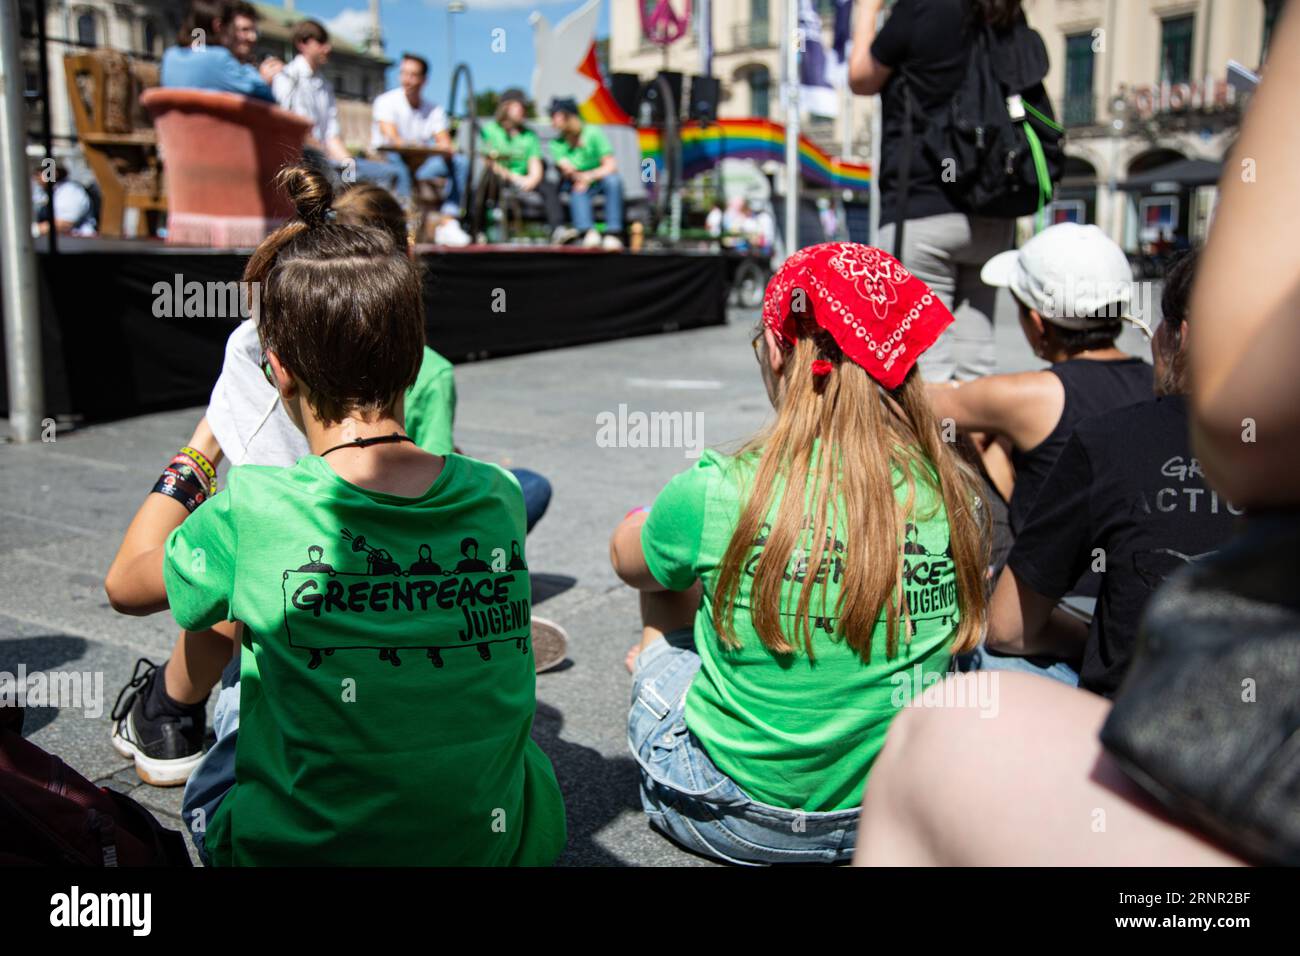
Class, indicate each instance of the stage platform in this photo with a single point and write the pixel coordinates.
(113, 345)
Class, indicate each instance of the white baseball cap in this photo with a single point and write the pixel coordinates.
(1074, 276)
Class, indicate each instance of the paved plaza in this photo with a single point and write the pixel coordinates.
(64, 506)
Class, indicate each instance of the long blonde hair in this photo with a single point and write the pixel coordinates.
(838, 441)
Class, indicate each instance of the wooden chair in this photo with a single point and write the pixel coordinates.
(116, 137)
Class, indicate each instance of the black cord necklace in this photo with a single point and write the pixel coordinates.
(367, 442)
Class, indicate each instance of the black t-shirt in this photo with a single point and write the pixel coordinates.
(1125, 482)
(929, 40)
(1092, 387)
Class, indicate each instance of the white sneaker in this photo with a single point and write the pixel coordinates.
(449, 233)
(591, 240)
(612, 244)
(563, 235)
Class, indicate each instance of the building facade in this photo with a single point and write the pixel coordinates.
(1139, 84)
(1141, 87)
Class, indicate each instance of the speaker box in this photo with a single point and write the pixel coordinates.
(650, 93)
(703, 102)
(626, 90)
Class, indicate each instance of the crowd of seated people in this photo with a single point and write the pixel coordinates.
(807, 602)
(216, 51)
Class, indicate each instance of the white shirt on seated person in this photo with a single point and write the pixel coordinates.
(300, 89)
(414, 124)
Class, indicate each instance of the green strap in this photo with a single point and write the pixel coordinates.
(1040, 165)
(1041, 118)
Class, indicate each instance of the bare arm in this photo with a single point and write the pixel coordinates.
(1246, 395)
(134, 583)
(388, 130)
(627, 557)
(867, 75)
(1024, 407)
(530, 180)
(1024, 622)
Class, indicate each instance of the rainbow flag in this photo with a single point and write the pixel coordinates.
(757, 139)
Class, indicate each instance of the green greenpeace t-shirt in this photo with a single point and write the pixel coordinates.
(791, 732)
(513, 151)
(431, 405)
(388, 683)
(593, 146)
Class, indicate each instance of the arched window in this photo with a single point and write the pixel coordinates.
(87, 29)
(760, 92)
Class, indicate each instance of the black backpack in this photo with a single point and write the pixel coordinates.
(997, 142)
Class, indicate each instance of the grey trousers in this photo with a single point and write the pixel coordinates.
(946, 253)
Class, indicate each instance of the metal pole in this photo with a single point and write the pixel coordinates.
(877, 114)
(17, 256)
(791, 47)
(47, 138)
(706, 37)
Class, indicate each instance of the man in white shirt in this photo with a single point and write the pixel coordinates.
(300, 88)
(403, 117)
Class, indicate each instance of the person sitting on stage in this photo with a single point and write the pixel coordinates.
(403, 117)
(73, 212)
(586, 162)
(214, 51)
(786, 589)
(515, 154)
(414, 765)
(160, 723)
(301, 88)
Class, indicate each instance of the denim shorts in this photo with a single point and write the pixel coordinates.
(215, 774)
(690, 800)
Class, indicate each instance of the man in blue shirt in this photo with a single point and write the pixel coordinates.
(216, 51)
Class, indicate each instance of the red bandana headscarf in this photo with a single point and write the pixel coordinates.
(881, 316)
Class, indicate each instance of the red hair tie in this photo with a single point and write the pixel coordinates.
(821, 367)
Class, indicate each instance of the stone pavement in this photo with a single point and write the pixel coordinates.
(64, 506)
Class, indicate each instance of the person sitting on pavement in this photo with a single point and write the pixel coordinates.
(300, 87)
(587, 166)
(403, 117)
(779, 600)
(214, 52)
(161, 717)
(413, 768)
(515, 154)
(1072, 285)
(1125, 498)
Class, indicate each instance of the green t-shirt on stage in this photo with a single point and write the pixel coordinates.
(593, 146)
(791, 732)
(513, 151)
(431, 405)
(388, 684)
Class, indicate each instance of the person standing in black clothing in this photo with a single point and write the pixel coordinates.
(1126, 498)
(924, 46)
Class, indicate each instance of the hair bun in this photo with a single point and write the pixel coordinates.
(309, 191)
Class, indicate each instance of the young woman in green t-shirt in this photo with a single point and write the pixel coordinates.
(797, 594)
(386, 694)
